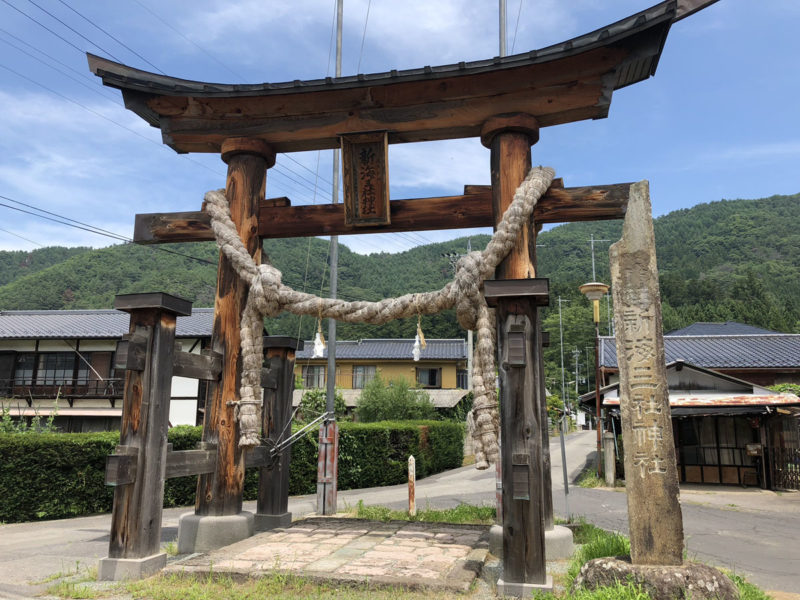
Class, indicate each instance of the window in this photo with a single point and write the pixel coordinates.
(313, 376)
(58, 368)
(429, 378)
(23, 371)
(362, 375)
(462, 379)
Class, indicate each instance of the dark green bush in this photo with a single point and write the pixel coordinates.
(55, 476)
(393, 401)
(313, 404)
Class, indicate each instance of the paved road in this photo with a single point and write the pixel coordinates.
(753, 532)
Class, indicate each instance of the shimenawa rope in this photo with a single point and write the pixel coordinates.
(268, 297)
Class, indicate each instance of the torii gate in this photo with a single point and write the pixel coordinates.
(504, 101)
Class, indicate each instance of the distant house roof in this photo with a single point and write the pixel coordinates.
(89, 324)
(694, 390)
(749, 351)
(726, 328)
(391, 349)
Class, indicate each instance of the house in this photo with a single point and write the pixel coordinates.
(63, 360)
(742, 351)
(441, 370)
(726, 430)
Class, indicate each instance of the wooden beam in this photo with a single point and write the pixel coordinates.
(197, 366)
(190, 462)
(473, 209)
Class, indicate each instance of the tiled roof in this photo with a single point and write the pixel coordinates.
(389, 349)
(775, 350)
(89, 324)
(727, 328)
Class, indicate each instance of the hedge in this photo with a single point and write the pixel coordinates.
(61, 475)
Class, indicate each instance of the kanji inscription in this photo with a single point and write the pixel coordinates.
(366, 179)
(651, 477)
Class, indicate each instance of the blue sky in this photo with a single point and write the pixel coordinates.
(718, 120)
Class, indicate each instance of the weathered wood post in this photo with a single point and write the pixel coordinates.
(272, 508)
(218, 519)
(651, 476)
(524, 550)
(509, 137)
(137, 468)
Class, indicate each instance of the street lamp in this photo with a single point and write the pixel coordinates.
(594, 291)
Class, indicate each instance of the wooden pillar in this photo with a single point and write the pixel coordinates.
(220, 493)
(272, 508)
(138, 466)
(509, 137)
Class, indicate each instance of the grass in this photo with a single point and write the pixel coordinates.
(597, 543)
(277, 586)
(461, 514)
(171, 548)
(76, 585)
(747, 591)
(593, 543)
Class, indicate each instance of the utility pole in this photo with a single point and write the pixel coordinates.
(561, 339)
(328, 465)
(577, 354)
(592, 241)
(502, 27)
(453, 258)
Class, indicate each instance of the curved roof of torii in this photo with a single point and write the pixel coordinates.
(566, 82)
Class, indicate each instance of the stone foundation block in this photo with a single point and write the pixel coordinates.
(264, 522)
(119, 569)
(689, 580)
(523, 590)
(198, 533)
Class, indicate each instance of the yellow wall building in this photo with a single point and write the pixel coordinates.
(441, 369)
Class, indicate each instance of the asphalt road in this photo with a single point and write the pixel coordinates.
(752, 532)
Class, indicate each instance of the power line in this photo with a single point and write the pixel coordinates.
(96, 26)
(82, 74)
(21, 237)
(63, 39)
(211, 56)
(75, 79)
(516, 26)
(75, 31)
(363, 37)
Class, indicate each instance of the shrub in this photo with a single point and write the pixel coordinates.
(53, 476)
(395, 401)
(314, 403)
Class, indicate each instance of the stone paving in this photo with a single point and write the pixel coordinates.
(419, 555)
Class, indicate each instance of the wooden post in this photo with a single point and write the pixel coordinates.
(328, 467)
(137, 468)
(519, 340)
(509, 137)
(412, 486)
(219, 494)
(272, 508)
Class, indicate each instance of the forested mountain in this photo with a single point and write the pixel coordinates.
(728, 260)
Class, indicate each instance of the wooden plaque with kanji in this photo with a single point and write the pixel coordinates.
(366, 178)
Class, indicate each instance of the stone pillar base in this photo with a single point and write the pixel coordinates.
(558, 543)
(264, 522)
(119, 569)
(523, 590)
(197, 533)
(496, 540)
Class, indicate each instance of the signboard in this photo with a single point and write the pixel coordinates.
(365, 158)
